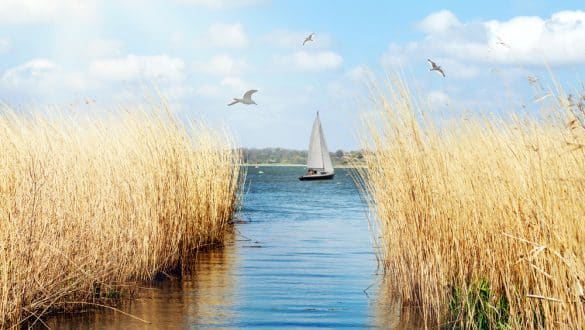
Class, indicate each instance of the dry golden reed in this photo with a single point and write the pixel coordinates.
(481, 220)
(91, 206)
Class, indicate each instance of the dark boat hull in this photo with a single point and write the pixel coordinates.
(317, 177)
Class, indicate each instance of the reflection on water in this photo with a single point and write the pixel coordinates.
(209, 289)
(389, 313)
(302, 259)
(202, 297)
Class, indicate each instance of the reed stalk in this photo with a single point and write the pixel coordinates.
(481, 219)
(89, 207)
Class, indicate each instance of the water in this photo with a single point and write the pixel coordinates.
(302, 258)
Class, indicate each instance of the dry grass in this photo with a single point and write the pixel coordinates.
(481, 221)
(91, 207)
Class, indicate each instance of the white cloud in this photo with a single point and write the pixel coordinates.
(312, 61)
(236, 84)
(42, 76)
(15, 11)
(44, 79)
(466, 49)
(557, 40)
(399, 55)
(35, 11)
(31, 71)
(361, 74)
(223, 65)
(221, 4)
(439, 22)
(134, 67)
(227, 35)
(438, 98)
(228, 87)
(104, 48)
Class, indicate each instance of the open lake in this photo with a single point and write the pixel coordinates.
(303, 257)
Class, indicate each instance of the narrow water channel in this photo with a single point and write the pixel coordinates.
(302, 258)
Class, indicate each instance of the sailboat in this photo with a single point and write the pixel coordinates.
(319, 165)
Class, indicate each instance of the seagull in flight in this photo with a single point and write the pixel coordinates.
(436, 67)
(502, 43)
(246, 99)
(309, 38)
(539, 99)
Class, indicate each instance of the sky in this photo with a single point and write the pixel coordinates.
(199, 54)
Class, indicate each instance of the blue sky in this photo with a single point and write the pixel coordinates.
(201, 53)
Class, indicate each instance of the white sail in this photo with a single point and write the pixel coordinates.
(318, 157)
(327, 165)
(314, 159)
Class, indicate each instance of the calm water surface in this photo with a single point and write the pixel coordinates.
(302, 259)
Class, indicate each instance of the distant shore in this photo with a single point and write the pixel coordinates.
(300, 165)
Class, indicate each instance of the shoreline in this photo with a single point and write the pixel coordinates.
(299, 165)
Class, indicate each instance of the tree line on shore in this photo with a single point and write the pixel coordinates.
(288, 156)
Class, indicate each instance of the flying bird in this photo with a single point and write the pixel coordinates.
(539, 99)
(309, 38)
(246, 99)
(436, 67)
(502, 43)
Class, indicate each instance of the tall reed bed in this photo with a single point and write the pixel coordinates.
(481, 220)
(90, 207)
